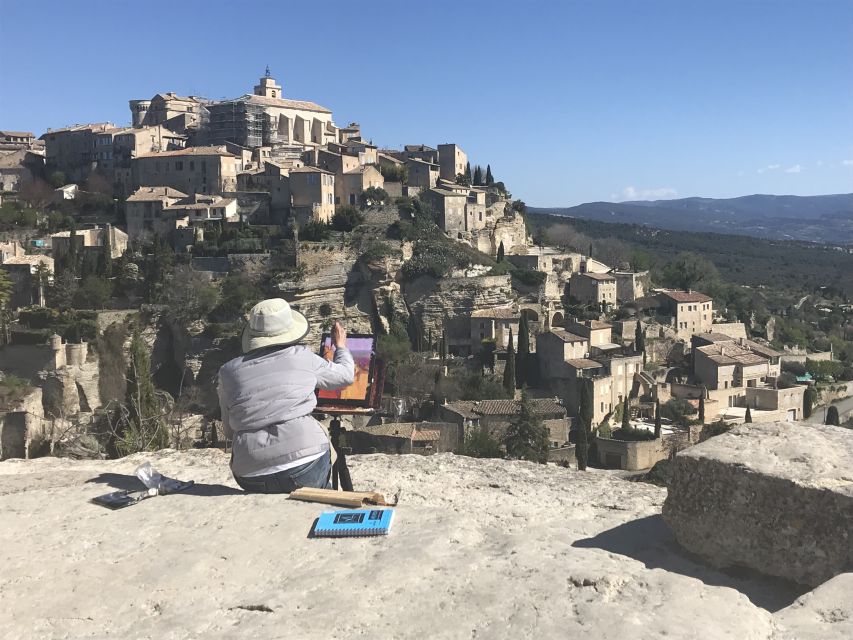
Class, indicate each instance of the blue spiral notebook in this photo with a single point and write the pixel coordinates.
(357, 522)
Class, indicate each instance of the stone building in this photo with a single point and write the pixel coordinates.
(128, 144)
(494, 325)
(496, 416)
(18, 168)
(144, 210)
(452, 160)
(178, 113)
(206, 170)
(16, 140)
(22, 270)
(422, 174)
(198, 209)
(74, 150)
(450, 207)
(422, 438)
(631, 285)
(313, 193)
(593, 288)
(355, 181)
(91, 239)
(688, 312)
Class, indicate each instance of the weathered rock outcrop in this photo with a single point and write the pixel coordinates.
(775, 497)
(479, 548)
(22, 426)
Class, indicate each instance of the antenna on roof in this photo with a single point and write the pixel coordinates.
(267, 74)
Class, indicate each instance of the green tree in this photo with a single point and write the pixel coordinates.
(832, 416)
(93, 293)
(526, 437)
(809, 400)
(314, 231)
(237, 294)
(702, 408)
(442, 347)
(522, 358)
(478, 176)
(468, 170)
(373, 196)
(6, 289)
(585, 412)
(347, 218)
(689, 271)
(462, 179)
(509, 370)
(748, 418)
(626, 415)
(61, 294)
(657, 419)
(72, 258)
(639, 338)
(500, 257)
(144, 428)
(57, 179)
(42, 279)
(678, 410)
(479, 443)
(489, 179)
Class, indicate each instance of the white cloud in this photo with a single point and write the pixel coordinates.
(847, 163)
(632, 193)
(795, 169)
(770, 167)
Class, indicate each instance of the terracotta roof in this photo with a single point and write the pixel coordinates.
(598, 276)
(713, 336)
(447, 194)
(303, 105)
(565, 336)
(180, 206)
(389, 429)
(17, 134)
(686, 296)
(310, 170)
(97, 126)
(762, 349)
(583, 363)
(426, 435)
(474, 409)
(189, 151)
(500, 313)
(731, 354)
(390, 159)
(30, 260)
(147, 194)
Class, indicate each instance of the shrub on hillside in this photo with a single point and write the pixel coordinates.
(314, 231)
(347, 218)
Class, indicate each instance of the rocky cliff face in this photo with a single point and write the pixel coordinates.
(479, 548)
(448, 303)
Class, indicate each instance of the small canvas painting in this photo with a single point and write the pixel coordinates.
(362, 349)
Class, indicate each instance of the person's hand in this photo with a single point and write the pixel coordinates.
(339, 336)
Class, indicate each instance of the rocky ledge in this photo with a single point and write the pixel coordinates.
(479, 548)
(774, 497)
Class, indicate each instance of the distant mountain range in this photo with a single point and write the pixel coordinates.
(827, 219)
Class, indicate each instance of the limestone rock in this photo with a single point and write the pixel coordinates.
(823, 614)
(774, 497)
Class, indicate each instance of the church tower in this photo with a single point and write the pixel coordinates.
(267, 86)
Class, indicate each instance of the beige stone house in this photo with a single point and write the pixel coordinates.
(422, 174)
(495, 325)
(496, 416)
(91, 239)
(419, 151)
(339, 164)
(206, 170)
(593, 288)
(18, 168)
(452, 160)
(144, 210)
(630, 285)
(359, 179)
(313, 193)
(128, 144)
(200, 208)
(450, 207)
(22, 270)
(74, 150)
(178, 113)
(16, 140)
(688, 312)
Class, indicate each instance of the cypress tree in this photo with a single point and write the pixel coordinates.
(657, 419)
(72, 249)
(478, 175)
(809, 398)
(590, 249)
(626, 419)
(509, 370)
(443, 346)
(145, 431)
(523, 356)
(702, 409)
(107, 255)
(832, 416)
(639, 338)
(489, 179)
(527, 437)
(501, 251)
(585, 413)
(468, 170)
(748, 418)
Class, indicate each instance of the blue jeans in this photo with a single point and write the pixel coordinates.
(313, 474)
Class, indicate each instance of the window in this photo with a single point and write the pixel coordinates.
(192, 165)
(311, 178)
(179, 166)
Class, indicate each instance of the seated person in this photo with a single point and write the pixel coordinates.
(267, 396)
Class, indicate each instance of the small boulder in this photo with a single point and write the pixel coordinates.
(774, 497)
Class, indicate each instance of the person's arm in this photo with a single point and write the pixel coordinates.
(223, 408)
(340, 372)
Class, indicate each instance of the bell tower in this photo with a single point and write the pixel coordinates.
(267, 86)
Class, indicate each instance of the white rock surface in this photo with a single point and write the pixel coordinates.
(479, 549)
(775, 497)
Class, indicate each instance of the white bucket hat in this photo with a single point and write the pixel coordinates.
(273, 322)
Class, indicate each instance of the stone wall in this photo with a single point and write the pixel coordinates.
(23, 428)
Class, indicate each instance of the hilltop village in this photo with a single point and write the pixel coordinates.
(130, 256)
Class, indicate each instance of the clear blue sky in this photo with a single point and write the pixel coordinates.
(569, 101)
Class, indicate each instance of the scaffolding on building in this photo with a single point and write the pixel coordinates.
(238, 121)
